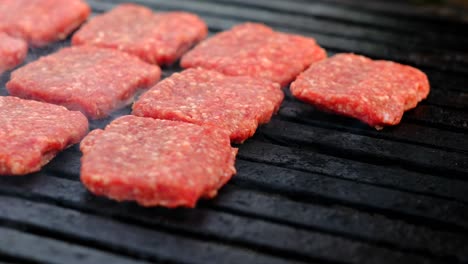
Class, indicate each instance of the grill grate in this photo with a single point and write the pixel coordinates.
(311, 187)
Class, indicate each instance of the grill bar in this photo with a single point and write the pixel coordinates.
(439, 117)
(131, 240)
(357, 24)
(414, 134)
(314, 174)
(346, 144)
(411, 133)
(441, 62)
(217, 221)
(448, 99)
(373, 228)
(368, 149)
(25, 248)
(440, 16)
(354, 24)
(392, 178)
(447, 82)
(409, 180)
(444, 99)
(394, 203)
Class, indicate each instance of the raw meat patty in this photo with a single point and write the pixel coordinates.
(154, 37)
(156, 162)
(234, 103)
(42, 21)
(375, 92)
(31, 133)
(93, 80)
(255, 50)
(12, 52)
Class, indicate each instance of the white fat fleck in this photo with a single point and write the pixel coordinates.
(386, 118)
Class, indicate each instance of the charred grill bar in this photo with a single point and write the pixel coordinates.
(311, 187)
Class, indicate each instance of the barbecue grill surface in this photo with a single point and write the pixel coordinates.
(311, 187)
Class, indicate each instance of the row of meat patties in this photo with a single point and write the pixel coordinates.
(175, 148)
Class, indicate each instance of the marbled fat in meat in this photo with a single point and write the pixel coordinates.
(32, 133)
(40, 22)
(237, 104)
(156, 162)
(375, 92)
(93, 80)
(159, 38)
(255, 50)
(12, 52)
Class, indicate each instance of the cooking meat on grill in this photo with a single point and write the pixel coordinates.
(237, 104)
(375, 92)
(93, 80)
(154, 37)
(12, 52)
(42, 21)
(156, 162)
(255, 50)
(31, 133)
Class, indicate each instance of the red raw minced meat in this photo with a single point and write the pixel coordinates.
(12, 52)
(93, 80)
(156, 162)
(40, 22)
(375, 92)
(255, 50)
(154, 37)
(32, 133)
(237, 104)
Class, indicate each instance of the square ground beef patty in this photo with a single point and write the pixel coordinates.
(93, 80)
(31, 133)
(154, 37)
(255, 50)
(237, 104)
(156, 162)
(12, 52)
(40, 22)
(375, 92)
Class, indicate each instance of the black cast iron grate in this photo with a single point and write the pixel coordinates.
(311, 187)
